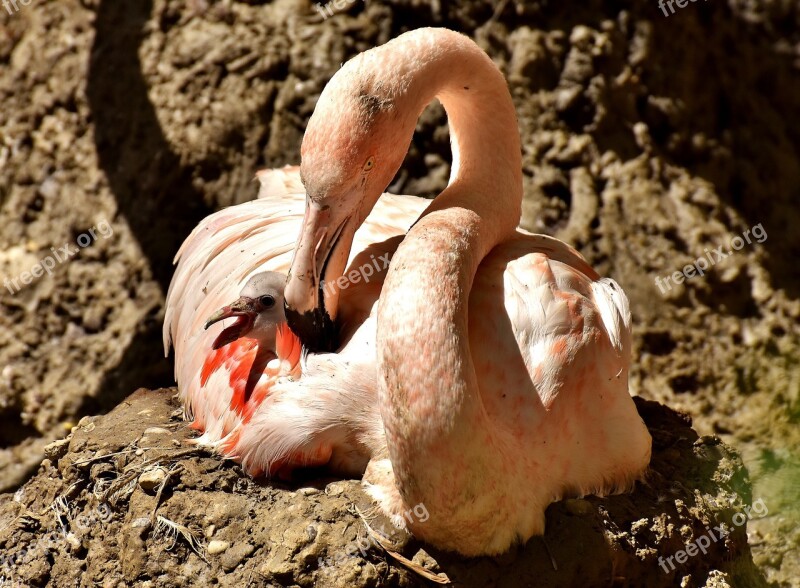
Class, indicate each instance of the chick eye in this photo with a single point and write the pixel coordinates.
(267, 301)
(370, 164)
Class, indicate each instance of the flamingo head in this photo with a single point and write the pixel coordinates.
(258, 311)
(354, 144)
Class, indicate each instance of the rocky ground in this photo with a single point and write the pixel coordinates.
(125, 501)
(649, 141)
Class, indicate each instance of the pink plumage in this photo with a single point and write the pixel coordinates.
(491, 376)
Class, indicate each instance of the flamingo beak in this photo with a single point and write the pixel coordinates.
(311, 296)
(244, 310)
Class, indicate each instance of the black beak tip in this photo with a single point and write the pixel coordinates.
(315, 329)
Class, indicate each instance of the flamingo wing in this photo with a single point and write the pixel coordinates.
(560, 355)
(560, 307)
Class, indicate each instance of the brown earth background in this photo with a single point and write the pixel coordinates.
(646, 141)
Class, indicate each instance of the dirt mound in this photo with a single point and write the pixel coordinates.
(126, 501)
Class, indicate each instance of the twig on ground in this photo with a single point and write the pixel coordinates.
(388, 547)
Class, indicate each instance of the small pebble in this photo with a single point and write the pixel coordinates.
(209, 533)
(152, 479)
(580, 34)
(334, 489)
(56, 449)
(216, 547)
(236, 555)
(308, 491)
(73, 541)
(156, 431)
(141, 522)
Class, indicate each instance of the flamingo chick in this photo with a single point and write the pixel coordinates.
(502, 357)
(246, 356)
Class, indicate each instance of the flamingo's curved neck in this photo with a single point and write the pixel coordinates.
(432, 410)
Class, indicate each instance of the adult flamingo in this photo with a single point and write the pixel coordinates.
(552, 404)
(500, 390)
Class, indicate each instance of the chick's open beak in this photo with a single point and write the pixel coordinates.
(245, 313)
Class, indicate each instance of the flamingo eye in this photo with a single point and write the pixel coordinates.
(370, 164)
(267, 301)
